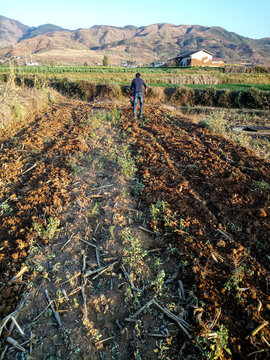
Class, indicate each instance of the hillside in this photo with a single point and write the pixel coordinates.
(10, 31)
(140, 45)
(42, 29)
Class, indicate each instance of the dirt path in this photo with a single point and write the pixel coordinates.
(125, 255)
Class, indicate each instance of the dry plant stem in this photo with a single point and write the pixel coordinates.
(67, 242)
(180, 322)
(15, 344)
(141, 309)
(258, 328)
(131, 320)
(97, 256)
(5, 200)
(55, 313)
(102, 187)
(214, 257)
(11, 327)
(92, 272)
(73, 292)
(24, 343)
(103, 270)
(264, 339)
(259, 306)
(257, 352)
(225, 235)
(17, 326)
(37, 317)
(213, 324)
(153, 250)
(6, 320)
(181, 290)
(20, 273)
(102, 341)
(156, 335)
(72, 278)
(127, 276)
(96, 228)
(110, 258)
(32, 167)
(146, 230)
(2, 357)
(83, 287)
(88, 243)
(197, 313)
(65, 295)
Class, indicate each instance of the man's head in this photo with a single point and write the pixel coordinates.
(138, 75)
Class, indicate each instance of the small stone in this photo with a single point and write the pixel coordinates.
(6, 293)
(15, 288)
(261, 212)
(221, 243)
(15, 256)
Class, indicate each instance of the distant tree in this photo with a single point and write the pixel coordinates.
(85, 64)
(131, 62)
(105, 60)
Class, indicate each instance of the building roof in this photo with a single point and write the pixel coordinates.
(191, 53)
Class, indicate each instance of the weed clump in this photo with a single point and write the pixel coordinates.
(155, 95)
(257, 99)
(206, 97)
(109, 91)
(183, 96)
(223, 98)
(214, 346)
(133, 254)
(216, 123)
(49, 230)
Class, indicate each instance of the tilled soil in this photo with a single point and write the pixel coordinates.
(213, 185)
(216, 217)
(34, 176)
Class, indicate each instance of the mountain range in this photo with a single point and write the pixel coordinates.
(49, 43)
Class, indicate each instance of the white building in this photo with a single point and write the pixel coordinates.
(196, 58)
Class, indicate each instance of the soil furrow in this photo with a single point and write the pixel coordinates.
(226, 191)
(213, 258)
(38, 194)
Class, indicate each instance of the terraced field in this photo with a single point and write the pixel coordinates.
(151, 237)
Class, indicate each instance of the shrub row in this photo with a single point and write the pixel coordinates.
(247, 69)
(254, 98)
(85, 90)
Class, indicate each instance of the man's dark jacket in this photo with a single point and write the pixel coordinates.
(137, 84)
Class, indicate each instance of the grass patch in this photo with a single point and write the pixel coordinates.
(219, 125)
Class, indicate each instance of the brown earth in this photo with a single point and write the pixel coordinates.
(212, 233)
(213, 186)
(34, 177)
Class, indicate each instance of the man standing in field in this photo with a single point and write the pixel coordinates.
(137, 86)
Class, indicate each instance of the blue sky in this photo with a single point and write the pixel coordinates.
(247, 18)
